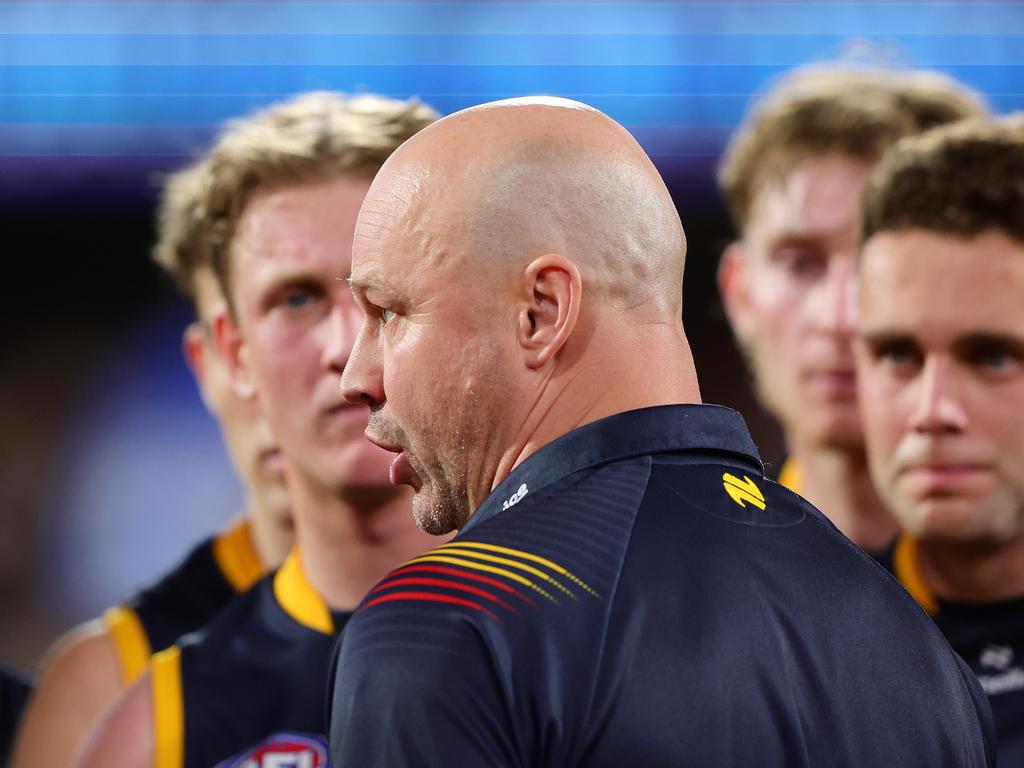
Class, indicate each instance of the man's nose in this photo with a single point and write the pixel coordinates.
(835, 310)
(938, 408)
(362, 380)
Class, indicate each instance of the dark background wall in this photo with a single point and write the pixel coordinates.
(108, 466)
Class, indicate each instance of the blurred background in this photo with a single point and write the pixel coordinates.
(109, 467)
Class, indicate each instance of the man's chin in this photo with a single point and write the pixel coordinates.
(434, 517)
(839, 431)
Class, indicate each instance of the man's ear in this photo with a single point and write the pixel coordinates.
(194, 345)
(235, 352)
(553, 292)
(734, 287)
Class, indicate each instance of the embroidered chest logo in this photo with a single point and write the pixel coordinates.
(997, 671)
(282, 750)
(516, 497)
(743, 491)
(490, 579)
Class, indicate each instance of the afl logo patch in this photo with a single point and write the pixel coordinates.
(283, 750)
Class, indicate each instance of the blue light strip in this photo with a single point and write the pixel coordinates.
(487, 18)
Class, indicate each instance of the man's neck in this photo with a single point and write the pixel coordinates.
(656, 369)
(973, 573)
(272, 537)
(350, 541)
(838, 483)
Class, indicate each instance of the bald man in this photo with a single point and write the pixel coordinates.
(627, 587)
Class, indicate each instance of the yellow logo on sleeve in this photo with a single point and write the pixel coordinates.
(743, 491)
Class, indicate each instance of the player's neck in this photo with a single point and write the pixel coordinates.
(657, 370)
(973, 573)
(348, 542)
(272, 537)
(837, 481)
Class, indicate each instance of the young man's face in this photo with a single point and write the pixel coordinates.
(941, 369)
(247, 435)
(789, 288)
(297, 322)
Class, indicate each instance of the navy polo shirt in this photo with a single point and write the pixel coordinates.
(638, 593)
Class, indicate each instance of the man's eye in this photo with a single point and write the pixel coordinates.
(800, 262)
(901, 358)
(297, 299)
(996, 361)
(386, 315)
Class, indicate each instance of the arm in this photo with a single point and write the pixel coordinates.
(81, 680)
(123, 739)
(429, 699)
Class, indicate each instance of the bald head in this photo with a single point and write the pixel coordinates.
(494, 186)
(519, 266)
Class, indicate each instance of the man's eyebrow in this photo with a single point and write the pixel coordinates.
(983, 339)
(361, 285)
(885, 336)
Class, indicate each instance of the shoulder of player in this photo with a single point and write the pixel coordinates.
(82, 647)
(82, 664)
(125, 737)
(81, 677)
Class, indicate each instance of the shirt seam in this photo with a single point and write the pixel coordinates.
(612, 597)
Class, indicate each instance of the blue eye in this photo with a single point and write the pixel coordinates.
(899, 356)
(386, 315)
(297, 299)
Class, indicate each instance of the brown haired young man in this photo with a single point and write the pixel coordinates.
(90, 667)
(941, 364)
(277, 208)
(792, 177)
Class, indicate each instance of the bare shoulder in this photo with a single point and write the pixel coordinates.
(124, 737)
(81, 678)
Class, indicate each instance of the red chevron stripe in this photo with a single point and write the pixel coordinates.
(446, 584)
(430, 597)
(462, 574)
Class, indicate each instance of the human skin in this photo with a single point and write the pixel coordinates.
(82, 674)
(287, 344)
(513, 307)
(788, 286)
(941, 364)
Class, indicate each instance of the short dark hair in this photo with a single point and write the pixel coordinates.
(961, 179)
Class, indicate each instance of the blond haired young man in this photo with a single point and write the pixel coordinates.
(277, 207)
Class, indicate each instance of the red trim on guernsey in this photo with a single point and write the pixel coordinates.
(431, 597)
(447, 585)
(461, 574)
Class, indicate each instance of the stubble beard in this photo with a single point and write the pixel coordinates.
(443, 503)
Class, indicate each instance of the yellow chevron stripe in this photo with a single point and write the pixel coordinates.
(526, 556)
(481, 567)
(513, 563)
